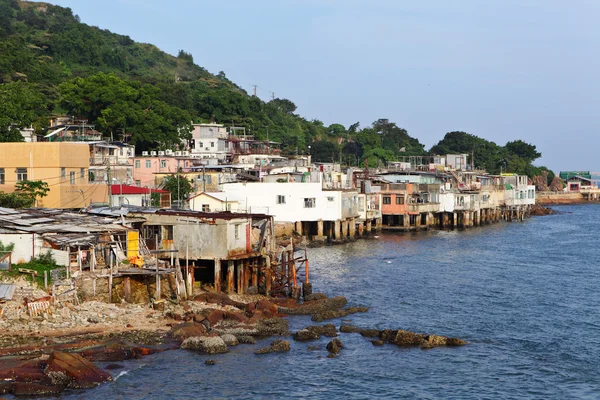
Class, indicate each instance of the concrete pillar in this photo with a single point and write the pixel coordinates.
(240, 276)
(455, 220)
(344, 228)
(320, 227)
(445, 220)
(352, 224)
(268, 275)
(369, 227)
(406, 221)
(127, 289)
(361, 229)
(254, 271)
(378, 223)
(336, 229)
(298, 227)
(218, 275)
(230, 276)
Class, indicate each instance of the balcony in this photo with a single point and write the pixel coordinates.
(423, 207)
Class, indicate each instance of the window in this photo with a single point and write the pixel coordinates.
(310, 202)
(280, 199)
(237, 231)
(111, 152)
(63, 172)
(72, 177)
(399, 199)
(163, 163)
(121, 151)
(212, 144)
(148, 164)
(21, 174)
(81, 173)
(330, 199)
(205, 207)
(387, 199)
(199, 144)
(137, 163)
(2, 179)
(138, 183)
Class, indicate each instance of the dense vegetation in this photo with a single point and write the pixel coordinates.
(53, 64)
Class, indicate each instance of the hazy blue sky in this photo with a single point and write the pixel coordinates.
(499, 69)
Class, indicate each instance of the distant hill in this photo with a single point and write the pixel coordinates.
(52, 63)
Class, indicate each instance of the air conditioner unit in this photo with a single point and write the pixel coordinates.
(169, 152)
(185, 153)
(161, 153)
(153, 153)
(178, 153)
(145, 153)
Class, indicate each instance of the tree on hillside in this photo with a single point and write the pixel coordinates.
(324, 151)
(20, 105)
(523, 150)
(179, 186)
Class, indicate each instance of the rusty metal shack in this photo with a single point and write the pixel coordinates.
(222, 251)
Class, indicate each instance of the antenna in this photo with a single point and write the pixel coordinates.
(254, 86)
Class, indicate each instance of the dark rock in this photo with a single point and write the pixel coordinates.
(187, 329)
(306, 335)
(314, 348)
(35, 389)
(347, 328)
(244, 339)
(74, 371)
(315, 296)
(210, 362)
(331, 314)
(373, 333)
(406, 338)
(335, 346)
(377, 342)
(113, 366)
(215, 317)
(205, 344)
(265, 305)
(316, 307)
(219, 298)
(307, 288)
(324, 330)
(455, 342)
(277, 346)
(272, 327)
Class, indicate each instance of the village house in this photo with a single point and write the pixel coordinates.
(111, 162)
(128, 195)
(301, 207)
(150, 168)
(64, 166)
(227, 251)
(213, 202)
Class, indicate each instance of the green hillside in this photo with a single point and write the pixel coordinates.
(52, 64)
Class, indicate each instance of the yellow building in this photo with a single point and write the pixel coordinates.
(63, 166)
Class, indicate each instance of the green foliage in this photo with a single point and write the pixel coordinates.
(15, 200)
(324, 151)
(515, 157)
(32, 190)
(179, 186)
(6, 248)
(21, 104)
(40, 264)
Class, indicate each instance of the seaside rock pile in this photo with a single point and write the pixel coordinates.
(49, 375)
(403, 338)
(277, 346)
(315, 332)
(539, 210)
(322, 308)
(206, 344)
(334, 347)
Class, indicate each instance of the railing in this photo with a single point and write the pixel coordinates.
(423, 207)
(113, 160)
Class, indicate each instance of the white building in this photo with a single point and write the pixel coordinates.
(213, 202)
(209, 141)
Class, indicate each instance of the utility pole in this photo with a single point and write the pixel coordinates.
(272, 95)
(254, 86)
(108, 182)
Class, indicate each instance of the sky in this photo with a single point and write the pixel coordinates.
(499, 69)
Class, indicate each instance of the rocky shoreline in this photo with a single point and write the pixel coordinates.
(48, 354)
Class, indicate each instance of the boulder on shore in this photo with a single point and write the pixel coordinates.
(188, 329)
(334, 347)
(74, 371)
(205, 344)
(277, 346)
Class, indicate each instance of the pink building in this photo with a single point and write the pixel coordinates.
(145, 168)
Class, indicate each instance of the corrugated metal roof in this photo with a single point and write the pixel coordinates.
(7, 291)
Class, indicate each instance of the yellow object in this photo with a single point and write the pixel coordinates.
(133, 243)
